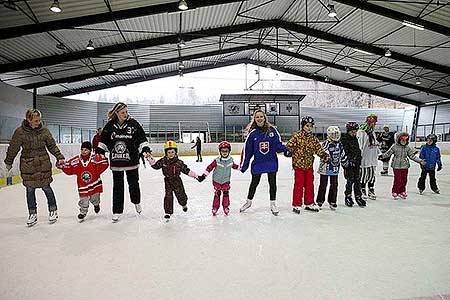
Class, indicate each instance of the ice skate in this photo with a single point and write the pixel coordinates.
(97, 208)
(214, 211)
(53, 217)
(403, 195)
(81, 217)
(395, 196)
(333, 206)
(138, 208)
(421, 192)
(360, 201)
(372, 195)
(185, 209)
(319, 205)
(246, 205)
(348, 200)
(115, 218)
(226, 211)
(32, 220)
(297, 209)
(274, 208)
(167, 217)
(364, 194)
(312, 207)
(384, 172)
(437, 191)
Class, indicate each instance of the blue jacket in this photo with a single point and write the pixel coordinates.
(263, 149)
(337, 157)
(432, 155)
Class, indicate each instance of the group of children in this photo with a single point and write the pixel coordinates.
(356, 151)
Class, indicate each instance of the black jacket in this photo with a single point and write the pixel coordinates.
(124, 142)
(386, 140)
(352, 150)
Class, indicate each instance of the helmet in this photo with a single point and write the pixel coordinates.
(403, 136)
(307, 119)
(334, 133)
(170, 145)
(432, 137)
(351, 126)
(224, 144)
(386, 126)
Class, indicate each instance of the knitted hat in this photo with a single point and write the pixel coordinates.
(86, 145)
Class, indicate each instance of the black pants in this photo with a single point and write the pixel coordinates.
(272, 185)
(352, 177)
(423, 177)
(174, 185)
(199, 155)
(332, 192)
(118, 189)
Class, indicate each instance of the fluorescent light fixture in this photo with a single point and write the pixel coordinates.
(290, 46)
(347, 70)
(413, 25)
(418, 81)
(181, 43)
(61, 46)
(55, 7)
(90, 45)
(183, 5)
(110, 69)
(362, 51)
(181, 65)
(331, 11)
(388, 53)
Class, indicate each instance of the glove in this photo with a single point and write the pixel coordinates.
(100, 151)
(146, 149)
(380, 157)
(439, 168)
(201, 178)
(287, 153)
(60, 163)
(8, 167)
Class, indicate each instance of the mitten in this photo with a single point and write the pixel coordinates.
(201, 178)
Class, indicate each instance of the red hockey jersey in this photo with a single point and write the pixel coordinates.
(88, 173)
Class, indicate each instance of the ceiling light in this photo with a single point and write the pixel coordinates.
(331, 11)
(181, 65)
(61, 46)
(90, 45)
(181, 43)
(10, 4)
(362, 51)
(55, 7)
(347, 70)
(413, 25)
(110, 69)
(327, 79)
(183, 5)
(290, 46)
(388, 53)
(418, 81)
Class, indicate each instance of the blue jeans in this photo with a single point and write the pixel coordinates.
(31, 199)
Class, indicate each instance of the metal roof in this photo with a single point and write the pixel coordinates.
(140, 39)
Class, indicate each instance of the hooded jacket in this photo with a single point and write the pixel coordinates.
(402, 154)
(432, 156)
(35, 165)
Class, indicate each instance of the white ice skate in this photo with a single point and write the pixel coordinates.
(115, 218)
(53, 217)
(312, 207)
(138, 208)
(246, 205)
(372, 195)
(274, 208)
(297, 209)
(32, 219)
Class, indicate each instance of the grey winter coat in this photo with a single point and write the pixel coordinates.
(402, 155)
(35, 165)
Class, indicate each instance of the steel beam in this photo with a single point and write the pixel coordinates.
(140, 79)
(135, 67)
(396, 15)
(12, 32)
(170, 39)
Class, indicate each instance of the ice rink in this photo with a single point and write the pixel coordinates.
(388, 250)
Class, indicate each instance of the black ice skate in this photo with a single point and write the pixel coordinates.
(348, 200)
(185, 208)
(333, 206)
(97, 208)
(437, 191)
(372, 195)
(297, 209)
(81, 217)
(167, 217)
(360, 201)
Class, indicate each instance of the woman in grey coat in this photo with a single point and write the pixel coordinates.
(35, 166)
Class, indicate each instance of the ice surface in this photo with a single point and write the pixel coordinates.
(388, 250)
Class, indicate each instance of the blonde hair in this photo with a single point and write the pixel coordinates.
(117, 107)
(252, 125)
(31, 113)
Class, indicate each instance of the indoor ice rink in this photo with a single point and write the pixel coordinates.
(387, 250)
